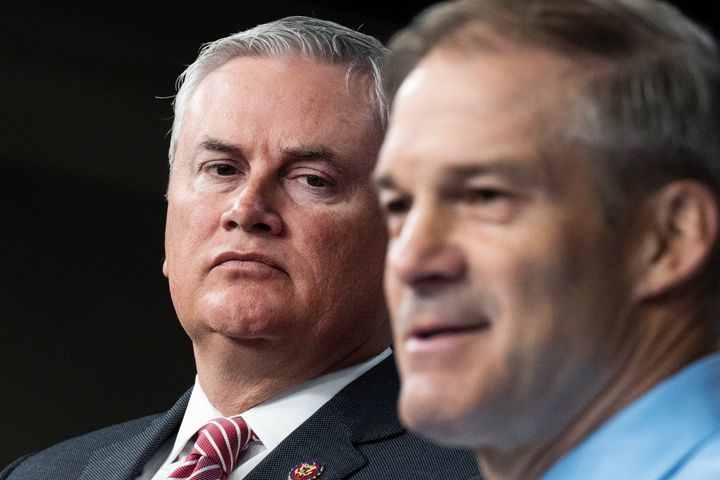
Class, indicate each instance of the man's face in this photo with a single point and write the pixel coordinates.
(274, 242)
(504, 283)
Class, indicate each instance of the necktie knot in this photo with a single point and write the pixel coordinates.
(217, 449)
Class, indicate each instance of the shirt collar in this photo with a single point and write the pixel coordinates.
(654, 433)
(274, 419)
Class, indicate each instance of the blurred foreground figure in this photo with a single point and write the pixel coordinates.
(550, 184)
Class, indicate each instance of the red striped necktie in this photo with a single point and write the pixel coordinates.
(218, 448)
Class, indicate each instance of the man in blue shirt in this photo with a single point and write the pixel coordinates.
(550, 182)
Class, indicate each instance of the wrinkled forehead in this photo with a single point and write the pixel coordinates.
(283, 105)
(358, 81)
(295, 80)
(499, 111)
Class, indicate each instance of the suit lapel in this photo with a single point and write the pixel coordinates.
(333, 449)
(363, 411)
(124, 460)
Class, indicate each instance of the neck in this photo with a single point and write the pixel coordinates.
(665, 341)
(237, 376)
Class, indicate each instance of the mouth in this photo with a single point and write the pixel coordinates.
(251, 261)
(435, 341)
(434, 332)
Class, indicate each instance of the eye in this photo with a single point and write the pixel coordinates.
(315, 181)
(224, 169)
(311, 185)
(394, 203)
(312, 179)
(219, 169)
(398, 205)
(395, 208)
(482, 195)
(494, 204)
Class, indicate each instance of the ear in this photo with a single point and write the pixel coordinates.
(680, 236)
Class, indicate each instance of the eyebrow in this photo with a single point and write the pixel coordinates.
(502, 166)
(384, 181)
(321, 153)
(455, 173)
(215, 145)
(316, 152)
(302, 152)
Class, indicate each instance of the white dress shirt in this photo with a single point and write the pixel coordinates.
(271, 421)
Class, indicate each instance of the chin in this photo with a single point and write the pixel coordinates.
(248, 327)
(434, 414)
(240, 325)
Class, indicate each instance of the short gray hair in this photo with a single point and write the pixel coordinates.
(321, 40)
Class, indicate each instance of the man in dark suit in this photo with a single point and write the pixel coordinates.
(551, 182)
(274, 256)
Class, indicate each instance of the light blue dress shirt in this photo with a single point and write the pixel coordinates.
(671, 432)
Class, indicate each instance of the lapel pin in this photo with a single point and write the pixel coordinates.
(306, 471)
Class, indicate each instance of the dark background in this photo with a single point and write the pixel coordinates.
(89, 336)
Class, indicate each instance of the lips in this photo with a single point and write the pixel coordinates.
(426, 333)
(229, 258)
(432, 331)
(434, 344)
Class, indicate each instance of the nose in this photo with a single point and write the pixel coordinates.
(251, 211)
(423, 255)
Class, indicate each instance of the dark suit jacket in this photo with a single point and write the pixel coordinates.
(356, 435)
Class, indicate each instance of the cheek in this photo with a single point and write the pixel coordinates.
(551, 299)
(343, 259)
(521, 285)
(349, 246)
(188, 224)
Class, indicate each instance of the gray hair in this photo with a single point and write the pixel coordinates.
(321, 40)
(645, 104)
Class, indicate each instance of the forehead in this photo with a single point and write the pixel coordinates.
(490, 104)
(282, 77)
(284, 99)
